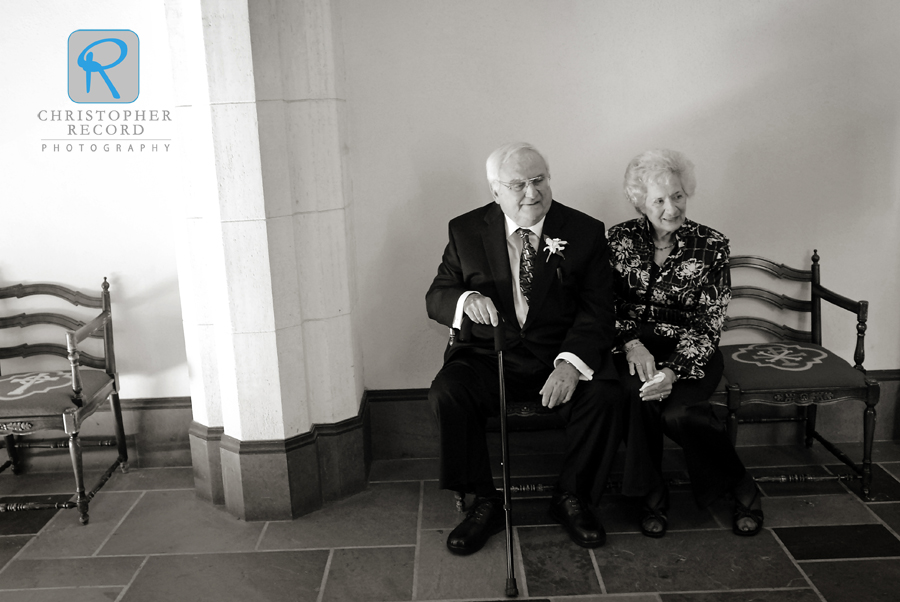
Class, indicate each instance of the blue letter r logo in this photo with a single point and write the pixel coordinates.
(111, 53)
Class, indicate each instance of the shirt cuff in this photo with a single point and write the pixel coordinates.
(458, 314)
(585, 372)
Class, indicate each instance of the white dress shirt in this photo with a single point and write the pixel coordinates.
(514, 249)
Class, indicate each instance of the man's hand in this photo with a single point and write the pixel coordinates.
(560, 385)
(481, 309)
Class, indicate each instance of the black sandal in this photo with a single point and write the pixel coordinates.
(656, 515)
(753, 512)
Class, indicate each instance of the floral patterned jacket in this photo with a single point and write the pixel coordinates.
(685, 299)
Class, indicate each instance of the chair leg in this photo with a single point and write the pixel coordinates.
(12, 453)
(734, 404)
(873, 393)
(810, 413)
(732, 425)
(120, 431)
(81, 500)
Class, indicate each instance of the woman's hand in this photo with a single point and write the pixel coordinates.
(641, 360)
(660, 390)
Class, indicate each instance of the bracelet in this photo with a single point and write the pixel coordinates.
(632, 344)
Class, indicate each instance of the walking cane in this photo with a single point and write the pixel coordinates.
(499, 342)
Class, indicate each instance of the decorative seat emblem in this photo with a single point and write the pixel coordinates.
(32, 383)
(781, 356)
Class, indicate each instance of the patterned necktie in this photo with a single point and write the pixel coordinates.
(526, 264)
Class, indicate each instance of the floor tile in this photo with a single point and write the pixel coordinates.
(69, 572)
(889, 513)
(64, 536)
(67, 594)
(26, 522)
(443, 576)
(371, 574)
(42, 483)
(178, 477)
(856, 581)
(621, 514)
(554, 565)
(439, 508)
(695, 561)
(177, 522)
(10, 546)
(885, 488)
(384, 514)
(795, 595)
(845, 541)
(786, 455)
(882, 451)
(892, 467)
(64, 483)
(240, 577)
(803, 511)
(798, 488)
(608, 598)
(404, 470)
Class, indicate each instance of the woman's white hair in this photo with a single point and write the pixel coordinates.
(653, 166)
(497, 158)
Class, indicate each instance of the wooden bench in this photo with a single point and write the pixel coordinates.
(792, 370)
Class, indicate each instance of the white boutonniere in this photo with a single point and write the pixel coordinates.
(555, 246)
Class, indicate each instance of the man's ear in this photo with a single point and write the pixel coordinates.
(495, 194)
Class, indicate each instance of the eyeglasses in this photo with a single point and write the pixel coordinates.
(520, 185)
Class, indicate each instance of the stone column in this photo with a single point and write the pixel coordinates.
(265, 269)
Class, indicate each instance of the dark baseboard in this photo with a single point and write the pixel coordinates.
(403, 425)
(884, 376)
(376, 395)
(156, 431)
(282, 479)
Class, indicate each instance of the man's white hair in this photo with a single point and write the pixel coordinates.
(497, 158)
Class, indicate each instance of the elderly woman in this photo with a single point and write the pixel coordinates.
(672, 290)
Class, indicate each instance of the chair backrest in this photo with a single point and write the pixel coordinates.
(76, 330)
(812, 305)
(781, 301)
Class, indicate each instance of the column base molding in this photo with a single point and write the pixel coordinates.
(281, 479)
(206, 460)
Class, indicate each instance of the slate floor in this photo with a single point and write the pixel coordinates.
(150, 539)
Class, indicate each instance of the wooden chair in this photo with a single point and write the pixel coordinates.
(60, 400)
(794, 370)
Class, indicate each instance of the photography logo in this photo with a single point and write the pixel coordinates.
(104, 66)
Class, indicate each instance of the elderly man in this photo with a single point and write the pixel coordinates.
(542, 271)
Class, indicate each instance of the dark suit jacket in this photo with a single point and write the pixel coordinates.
(571, 306)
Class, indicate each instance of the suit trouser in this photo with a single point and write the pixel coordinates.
(687, 418)
(466, 392)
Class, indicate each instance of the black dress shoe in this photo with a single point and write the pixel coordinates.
(483, 520)
(577, 520)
